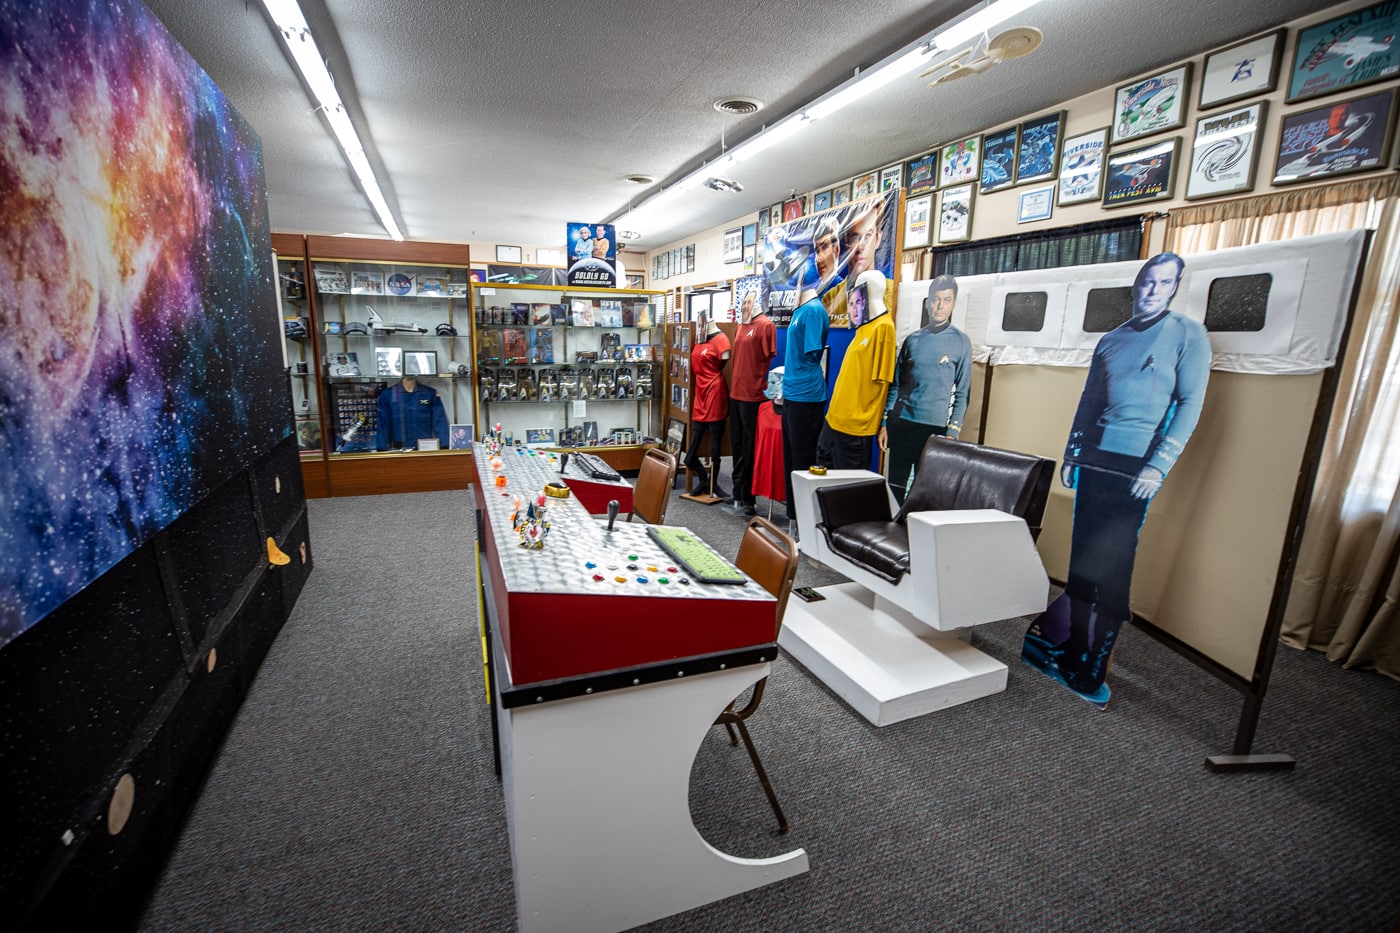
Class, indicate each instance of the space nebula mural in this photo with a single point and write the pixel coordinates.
(139, 360)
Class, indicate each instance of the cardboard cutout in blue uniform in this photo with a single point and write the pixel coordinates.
(1140, 404)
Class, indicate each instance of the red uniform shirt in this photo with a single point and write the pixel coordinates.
(755, 345)
(711, 394)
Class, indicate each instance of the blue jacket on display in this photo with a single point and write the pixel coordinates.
(404, 416)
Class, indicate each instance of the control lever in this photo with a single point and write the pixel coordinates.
(613, 508)
(563, 462)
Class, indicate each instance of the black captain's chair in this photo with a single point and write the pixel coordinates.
(856, 520)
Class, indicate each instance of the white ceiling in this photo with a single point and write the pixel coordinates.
(499, 122)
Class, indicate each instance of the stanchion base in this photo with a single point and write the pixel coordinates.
(1250, 762)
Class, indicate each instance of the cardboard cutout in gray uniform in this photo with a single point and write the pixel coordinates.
(1140, 404)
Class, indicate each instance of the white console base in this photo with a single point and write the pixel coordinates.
(881, 660)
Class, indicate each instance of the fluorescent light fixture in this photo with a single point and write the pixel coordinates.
(770, 136)
(312, 65)
(870, 81)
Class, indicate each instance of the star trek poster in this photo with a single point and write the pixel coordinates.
(592, 255)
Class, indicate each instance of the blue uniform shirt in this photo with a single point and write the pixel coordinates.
(803, 379)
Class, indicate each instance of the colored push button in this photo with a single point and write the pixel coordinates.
(672, 570)
(620, 579)
(651, 570)
(684, 581)
(641, 579)
(631, 556)
(590, 565)
(598, 578)
(662, 580)
(631, 566)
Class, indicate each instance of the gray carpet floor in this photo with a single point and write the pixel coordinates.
(355, 790)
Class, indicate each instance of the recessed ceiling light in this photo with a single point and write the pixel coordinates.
(639, 179)
(738, 106)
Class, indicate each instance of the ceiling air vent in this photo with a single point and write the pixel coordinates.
(738, 106)
(639, 179)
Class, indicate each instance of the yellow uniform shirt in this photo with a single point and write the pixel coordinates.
(858, 400)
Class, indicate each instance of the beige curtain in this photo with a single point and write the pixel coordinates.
(1347, 583)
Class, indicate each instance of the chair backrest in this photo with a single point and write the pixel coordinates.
(960, 475)
(652, 493)
(770, 557)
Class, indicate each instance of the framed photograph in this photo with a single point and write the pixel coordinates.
(999, 159)
(539, 435)
(1225, 152)
(734, 245)
(793, 208)
(1344, 52)
(1147, 173)
(775, 214)
(690, 258)
(460, 437)
(916, 217)
(1038, 156)
(1245, 69)
(750, 234)
(1151, 105)
(509, 254)
(388, 362)
(960, 163)
(750, 259)
(892, 176)
(865, 185)
(420, 363)
(1035, 204)
(763, 223)
(363, 282)
(921, 174)
(955, 214)
(841, 194)
(1334, 139)
(821, 201)
(1081, 167)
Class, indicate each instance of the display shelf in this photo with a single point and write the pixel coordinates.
(580, 362)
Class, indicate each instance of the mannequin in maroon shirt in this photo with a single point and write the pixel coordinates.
(755, 345)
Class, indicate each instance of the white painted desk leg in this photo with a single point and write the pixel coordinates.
(597, 796)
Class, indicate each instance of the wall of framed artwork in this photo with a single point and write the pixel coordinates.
(917, 211)
(960, 162)
(955, 213)
(999, 159)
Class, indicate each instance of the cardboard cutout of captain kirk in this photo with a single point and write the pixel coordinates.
(1141, 402)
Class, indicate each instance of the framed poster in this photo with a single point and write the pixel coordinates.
(955, 214)
(1243, 70)
(750, 258)
(999, 159)
(750, 234)
(690, 258)
(1147, 173)
(1225, 152)
(1334, 139)
(794, 208)
(865, 185)
(1038, 156)
(892, 176)
(775, 214)
(916, 217)
(960, 162)
(1081, 167)
(921, 174)
(1035, 204)
(821, 201)
(762, 223)
(1151, 105)
(841, 194)
(1344, 52)
(509, 254)
(734, 245)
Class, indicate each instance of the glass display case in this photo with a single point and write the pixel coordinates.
(300, 348)
(560, 366)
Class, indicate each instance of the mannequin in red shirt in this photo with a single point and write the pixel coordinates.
(710, 406)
